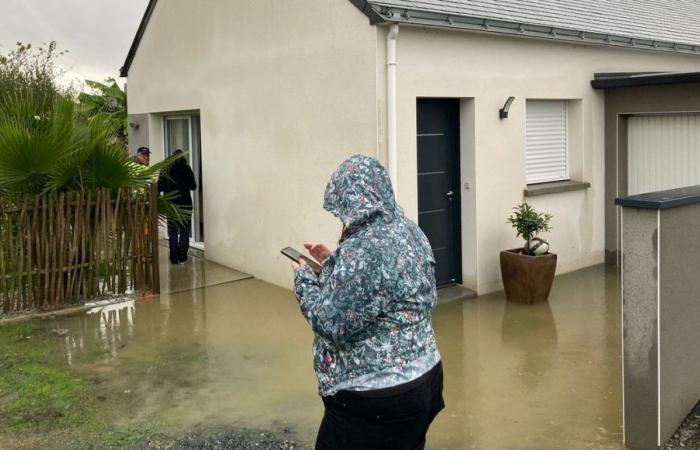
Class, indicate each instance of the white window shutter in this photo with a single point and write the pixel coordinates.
(547, 141)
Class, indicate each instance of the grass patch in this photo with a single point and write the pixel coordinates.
(36, 392)
(44, 403)
(47, 397)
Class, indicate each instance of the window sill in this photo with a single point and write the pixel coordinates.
(534, 190)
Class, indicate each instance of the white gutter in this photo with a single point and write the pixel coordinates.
(481, 24)
(391, 39)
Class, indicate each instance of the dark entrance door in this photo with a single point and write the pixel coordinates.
(439, 183)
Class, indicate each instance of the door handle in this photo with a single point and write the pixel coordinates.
(451, 195)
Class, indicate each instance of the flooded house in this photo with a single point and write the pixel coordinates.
(473, 107)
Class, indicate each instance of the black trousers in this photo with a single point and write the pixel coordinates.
(178, 241)
(356, 421)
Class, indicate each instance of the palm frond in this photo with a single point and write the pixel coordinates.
(32, 145)
(169, 211)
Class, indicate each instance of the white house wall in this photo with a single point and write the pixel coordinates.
(487, 69)
(286, 90)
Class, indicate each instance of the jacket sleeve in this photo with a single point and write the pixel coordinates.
(191, 183)
(161, 181)
(348, 300)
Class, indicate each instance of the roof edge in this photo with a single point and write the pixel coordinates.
(473, 23)
(366, 8)
(612, 81)
(124, 71)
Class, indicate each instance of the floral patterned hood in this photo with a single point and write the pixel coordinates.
(359, 190)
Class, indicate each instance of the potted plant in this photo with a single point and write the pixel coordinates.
(528, 272)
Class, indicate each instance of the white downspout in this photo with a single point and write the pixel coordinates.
(391, 39)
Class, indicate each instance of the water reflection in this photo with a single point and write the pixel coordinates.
(105, 325)
(108, 326)
(530, 335)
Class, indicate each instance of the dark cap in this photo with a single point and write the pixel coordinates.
(143, 151)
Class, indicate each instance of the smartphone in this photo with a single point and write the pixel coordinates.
(294, 255)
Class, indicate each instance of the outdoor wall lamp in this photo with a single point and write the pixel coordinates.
(503, 112)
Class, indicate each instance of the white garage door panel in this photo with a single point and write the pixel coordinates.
(663, 152)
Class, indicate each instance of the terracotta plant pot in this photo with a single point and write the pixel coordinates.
(527, 279)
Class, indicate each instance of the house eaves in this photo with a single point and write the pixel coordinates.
(366, 8)
(434, 18)
(613, 80)
(124, 71)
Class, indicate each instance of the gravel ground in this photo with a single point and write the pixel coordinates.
(688, 435)
(228, 438)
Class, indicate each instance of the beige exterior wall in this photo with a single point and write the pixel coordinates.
(485, 70)
(286, 90)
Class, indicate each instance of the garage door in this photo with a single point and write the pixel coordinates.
(663, 152)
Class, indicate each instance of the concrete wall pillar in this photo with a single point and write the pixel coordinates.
(661, 307)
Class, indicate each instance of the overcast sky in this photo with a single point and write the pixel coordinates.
(96, 33)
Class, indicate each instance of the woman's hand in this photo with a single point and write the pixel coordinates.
(296, 265)
(319, 251)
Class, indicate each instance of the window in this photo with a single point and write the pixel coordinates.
(547, 141)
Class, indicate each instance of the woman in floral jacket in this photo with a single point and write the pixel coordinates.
(375, 355)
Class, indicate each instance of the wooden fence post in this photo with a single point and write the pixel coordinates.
(153, 226)
(56, 249)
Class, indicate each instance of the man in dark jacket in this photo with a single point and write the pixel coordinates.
(178, 180)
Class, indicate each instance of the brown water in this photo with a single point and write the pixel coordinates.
(517, 377)
(546, 376)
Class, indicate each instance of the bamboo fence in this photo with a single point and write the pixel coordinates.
(62, 249)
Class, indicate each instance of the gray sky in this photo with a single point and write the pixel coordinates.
(97, 33)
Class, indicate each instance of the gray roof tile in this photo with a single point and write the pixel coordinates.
(674, 21)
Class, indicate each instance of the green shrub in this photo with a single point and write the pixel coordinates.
(33, 70)
(529, 223)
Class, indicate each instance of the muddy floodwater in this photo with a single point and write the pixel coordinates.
(236, 354)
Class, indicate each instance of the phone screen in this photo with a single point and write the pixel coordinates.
(294, 255)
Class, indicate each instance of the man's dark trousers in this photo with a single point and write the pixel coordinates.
(178, 240)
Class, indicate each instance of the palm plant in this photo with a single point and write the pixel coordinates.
(60, 152)
(107, 102)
